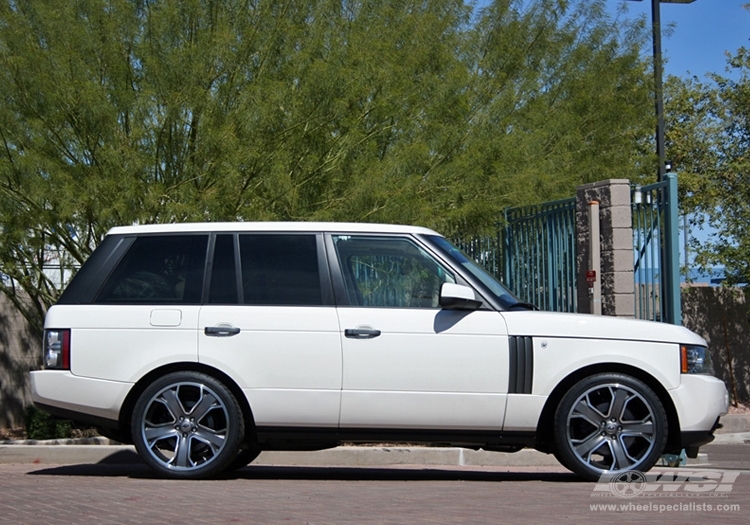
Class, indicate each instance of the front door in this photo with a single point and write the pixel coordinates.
(407, 363)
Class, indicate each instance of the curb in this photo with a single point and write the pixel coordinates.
(67, 454)
(739, 438)
(734, 424)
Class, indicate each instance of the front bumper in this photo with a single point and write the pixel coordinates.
(694, 440)
(699, 400)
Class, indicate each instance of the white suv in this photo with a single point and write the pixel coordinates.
(204, 344)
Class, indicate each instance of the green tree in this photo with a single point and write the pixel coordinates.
(560, 97)
(709, 138)
(140, 111)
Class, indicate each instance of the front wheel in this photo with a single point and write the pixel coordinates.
(187, 425)
(608, 424)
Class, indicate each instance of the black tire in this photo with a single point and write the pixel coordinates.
(243, 458)
(608, 424)
(187, 425)
(115, 435)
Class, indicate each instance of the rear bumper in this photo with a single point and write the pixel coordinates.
(82, 399)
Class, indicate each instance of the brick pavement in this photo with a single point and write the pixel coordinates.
(129, 494)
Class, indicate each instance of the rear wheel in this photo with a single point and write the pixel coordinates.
(608, 424)
(187, 425)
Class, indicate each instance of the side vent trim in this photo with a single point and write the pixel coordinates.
(521, 369)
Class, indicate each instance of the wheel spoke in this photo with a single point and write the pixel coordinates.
(169, 399)
(182, 453)
(619, 401)
(587, 412)
(215, 441)
(158, 433)
(588, 445)
(640, 428)
(204, 406)
(621, 458)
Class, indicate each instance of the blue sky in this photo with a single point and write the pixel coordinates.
(696, 36)
(695, 40)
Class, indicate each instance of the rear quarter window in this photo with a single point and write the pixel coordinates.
(159, 269)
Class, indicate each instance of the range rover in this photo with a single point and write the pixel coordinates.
(205, 344)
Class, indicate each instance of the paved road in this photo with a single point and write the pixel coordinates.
(130, 494)
(729, 457)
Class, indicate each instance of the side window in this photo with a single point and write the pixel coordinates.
(159, 269)
(389, 272)
(280, 269)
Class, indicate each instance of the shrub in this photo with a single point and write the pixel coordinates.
(42, 425)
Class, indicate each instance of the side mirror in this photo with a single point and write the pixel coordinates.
(458, 297)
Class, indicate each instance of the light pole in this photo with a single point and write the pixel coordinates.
(658, 89)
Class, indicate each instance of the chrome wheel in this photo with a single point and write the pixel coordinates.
(187, 425)
(608, 424)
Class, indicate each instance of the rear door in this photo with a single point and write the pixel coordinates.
(271, 325)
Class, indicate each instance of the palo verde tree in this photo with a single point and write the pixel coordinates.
(141, 111)
(561, 97)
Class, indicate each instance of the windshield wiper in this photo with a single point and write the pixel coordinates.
(520, 305)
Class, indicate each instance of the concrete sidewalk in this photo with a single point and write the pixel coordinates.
(102, 450)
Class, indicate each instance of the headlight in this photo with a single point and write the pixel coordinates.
(696, 360)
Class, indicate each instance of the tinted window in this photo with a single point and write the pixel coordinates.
(280, 269)
(223, 272)
(159, 269)
(389, 272)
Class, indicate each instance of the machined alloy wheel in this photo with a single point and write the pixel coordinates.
(187, 425)
(610, 423)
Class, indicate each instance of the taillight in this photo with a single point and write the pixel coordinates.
(57, 349)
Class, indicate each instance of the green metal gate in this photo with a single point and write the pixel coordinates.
(656, 244)
(539, 254)
(534, 254)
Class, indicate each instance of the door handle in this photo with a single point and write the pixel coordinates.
(221, 331)
(361, 333)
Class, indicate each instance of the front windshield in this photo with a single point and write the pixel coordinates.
(502, 294)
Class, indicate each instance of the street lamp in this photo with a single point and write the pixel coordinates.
(659, 94)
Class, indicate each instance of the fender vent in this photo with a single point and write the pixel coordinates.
(521, 364)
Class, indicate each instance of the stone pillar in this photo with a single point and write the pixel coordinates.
(616, 240)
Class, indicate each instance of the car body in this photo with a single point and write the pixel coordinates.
(204, 344)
